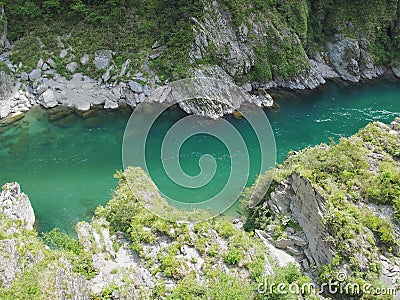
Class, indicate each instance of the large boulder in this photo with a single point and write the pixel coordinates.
(48, 99)
(35, 74)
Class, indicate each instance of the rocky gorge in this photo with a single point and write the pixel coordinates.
(331, 210)
(126, 252)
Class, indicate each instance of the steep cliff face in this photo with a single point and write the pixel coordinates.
(297, 44)
(297, 197)
(27, 266)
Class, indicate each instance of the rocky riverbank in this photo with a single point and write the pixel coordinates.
(262, 53)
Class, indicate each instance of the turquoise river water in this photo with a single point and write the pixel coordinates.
(66, 166)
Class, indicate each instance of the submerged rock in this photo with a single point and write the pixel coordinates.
(13, 117)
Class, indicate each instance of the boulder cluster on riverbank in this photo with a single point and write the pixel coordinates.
(257, 48)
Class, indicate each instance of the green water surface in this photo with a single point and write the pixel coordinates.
(66, 166)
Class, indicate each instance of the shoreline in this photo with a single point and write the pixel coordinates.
(80, 93)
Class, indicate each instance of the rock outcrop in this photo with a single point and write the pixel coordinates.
(7, 88)
(297, 198)
(16, 205)
(351, 61)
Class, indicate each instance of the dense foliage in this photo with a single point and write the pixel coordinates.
(294, 30)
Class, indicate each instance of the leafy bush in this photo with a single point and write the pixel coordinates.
(232, 256)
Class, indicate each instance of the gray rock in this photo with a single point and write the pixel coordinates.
(35, 74)
(344, 56)
(16, 205)
(298, 241)
(247, 87)
(289, 230)
(24, 76)
(395, 269)
(283, 243)
(63, 53)
(305, 264)
(396, 70)
(157, 52)
(293, 250)
(281, 256)
(297, 197)
(217, 28)
(109, 104)
(51, 63)
(45, 67)
(102, 59)
(135, 86)
(117, 92)
(41, 89)
(146, 90)
(71, 67)
(84, 59)
(106, 76)
(11, 118)
(48, 99)
(125, 67)
(82, 105)
(395, 125)
(40, 63)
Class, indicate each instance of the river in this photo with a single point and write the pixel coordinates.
(66, 166)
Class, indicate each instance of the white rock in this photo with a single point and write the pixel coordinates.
(71, 67)
(135, 86)
(35, 74)
(63, 53)
(84, 59)
(109, 104)
(47, 99)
